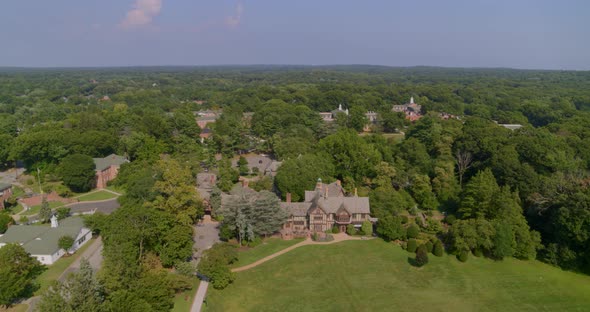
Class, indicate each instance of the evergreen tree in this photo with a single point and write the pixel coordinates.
(45, 212)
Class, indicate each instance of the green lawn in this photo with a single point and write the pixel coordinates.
(99, 195)
(54, 271)
(376, 276)
(16, 308)
(268, 247)
(35, 209)
(184, 300)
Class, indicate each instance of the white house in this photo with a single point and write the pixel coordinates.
(42, 241)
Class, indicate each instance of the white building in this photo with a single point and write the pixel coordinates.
(42, 241)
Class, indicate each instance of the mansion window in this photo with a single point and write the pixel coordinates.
(299, 222)
(81, 240)
(318, 218)
(317, 227)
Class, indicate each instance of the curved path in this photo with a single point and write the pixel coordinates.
(337, 238)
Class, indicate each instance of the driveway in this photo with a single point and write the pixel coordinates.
(206, 234)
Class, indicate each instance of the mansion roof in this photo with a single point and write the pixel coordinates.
(330, 198)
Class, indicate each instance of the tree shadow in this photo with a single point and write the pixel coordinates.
(412, 262)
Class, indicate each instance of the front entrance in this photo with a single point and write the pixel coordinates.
(342, 228)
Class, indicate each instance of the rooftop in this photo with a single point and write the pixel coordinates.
(111, 160)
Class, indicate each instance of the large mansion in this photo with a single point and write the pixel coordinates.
(323, 208)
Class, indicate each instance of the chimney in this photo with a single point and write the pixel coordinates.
(355, 192)
(54, 222)
(288, 197)
(318, 186)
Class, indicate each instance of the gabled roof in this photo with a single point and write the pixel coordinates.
(111, 160)
(4, 186)
(296, 209)
(42, 239)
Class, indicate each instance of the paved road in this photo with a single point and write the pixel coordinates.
(200, 297)
(104, 206)
(93, 254)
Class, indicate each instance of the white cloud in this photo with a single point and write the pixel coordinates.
(142, 13)
(234, 20)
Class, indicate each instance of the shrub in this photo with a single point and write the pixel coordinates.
(5, 221)
(63, 212)
(335, 230)
(350, 229)
(186, 268)
(420, 222)
(314, 237)
(367, 228)
(412, 245)
(477, 252)
(413, 231)
(65, 242)
(428, 246)
(255, 242)
(463, 256)
(421, 256)
(450, 219)
(438, 249)
(225, 233)
(405, 219)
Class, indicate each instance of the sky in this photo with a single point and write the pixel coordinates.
(533, 34)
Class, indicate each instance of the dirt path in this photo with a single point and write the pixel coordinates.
(337, 238)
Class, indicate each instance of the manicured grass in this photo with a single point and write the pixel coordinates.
(116, 189)
(16, 209)
(35, 209)
(16, 308)
(376, 276)
(55, 270)
(99, 195)
(268, 247)
(184, 300)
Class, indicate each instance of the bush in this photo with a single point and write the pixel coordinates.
(450, 219)
(477, 252)
(428, 246)
(463, 256)
(438, 249)
(255, 242)
(65, 242)
(23, 219)
(419, 222)
(335, 230)
(5, 221)
(405, 219)
(412, 245)
(413, 231)
(62, 212)
(186, 268)
(225, 233)
(367, 228)
(421, 256)
(350, 229)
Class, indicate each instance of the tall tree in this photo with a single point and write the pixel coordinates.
(77, 172)
(18, 271)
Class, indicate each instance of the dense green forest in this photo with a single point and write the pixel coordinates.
(505, 193)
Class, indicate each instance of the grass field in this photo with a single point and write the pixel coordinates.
(99, 195)
(268, 247)
(35, 209)
(184, 300)
(376, 276)
(16, 308)
(54, 271)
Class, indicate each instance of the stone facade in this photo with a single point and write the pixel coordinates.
(5, 193)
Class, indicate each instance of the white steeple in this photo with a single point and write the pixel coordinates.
(54, 222)
(412, 100)
(346, 111)
(339, 107)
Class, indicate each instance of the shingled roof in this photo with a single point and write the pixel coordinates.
(111, 160)
(42, 240)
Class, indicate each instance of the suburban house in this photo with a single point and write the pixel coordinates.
(205, 117)
(331, 116)
(107, 169)
(412, 110)
(5, 193)
(263, 164)
(323, 208)
(42, 241)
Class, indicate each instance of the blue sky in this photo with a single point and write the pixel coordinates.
(465, 33)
